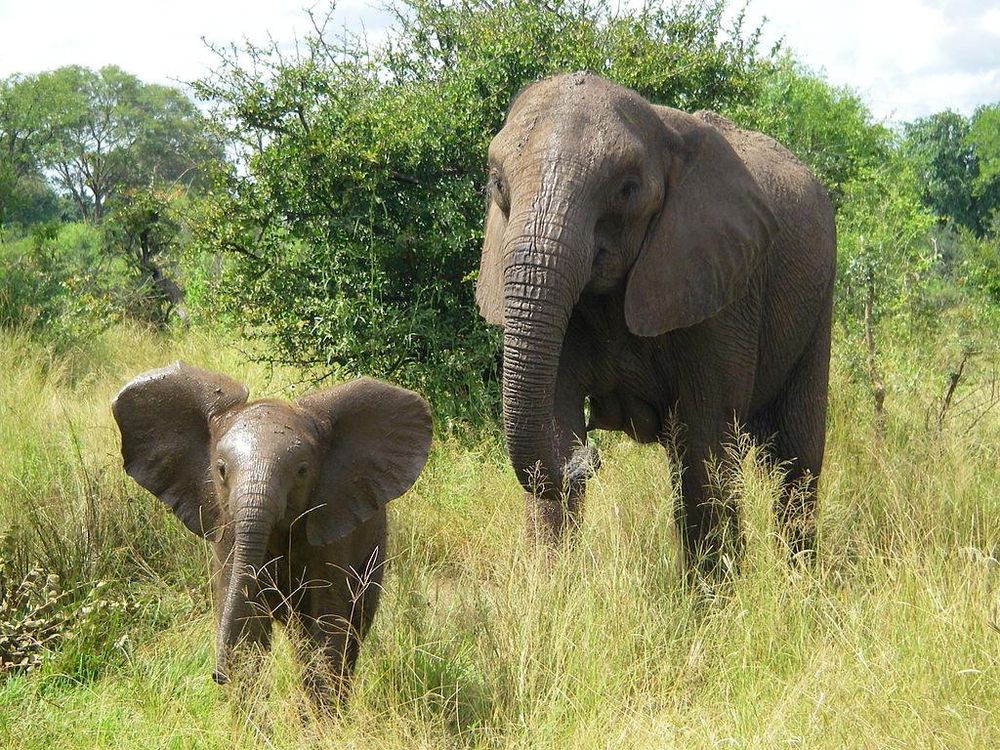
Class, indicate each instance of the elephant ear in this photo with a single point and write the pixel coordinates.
(489, 286)
(714, 227)
(375, 438)
(164, 418)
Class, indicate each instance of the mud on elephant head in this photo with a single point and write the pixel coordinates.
(305, 482)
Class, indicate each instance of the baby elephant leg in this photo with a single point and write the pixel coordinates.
(328, 636)
(327, 650)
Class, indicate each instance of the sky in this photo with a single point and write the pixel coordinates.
(907, 58)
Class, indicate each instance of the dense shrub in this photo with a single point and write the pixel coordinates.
(142, 235)
(64, 282)
(828, 127)
(51, 283)
(980, 262)
(957, 160)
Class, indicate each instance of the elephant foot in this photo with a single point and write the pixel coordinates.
(795, 513)
(801, 546)
(544, 521)
(707, 569)
(328, 696)
(713, 560)
(550, 522)
(551, 519)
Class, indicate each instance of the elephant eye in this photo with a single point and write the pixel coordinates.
(497, 189)
(221, 466)
(302, 470)
(628, 189)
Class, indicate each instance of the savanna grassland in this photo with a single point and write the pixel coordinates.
(890, 640)
(321, 214)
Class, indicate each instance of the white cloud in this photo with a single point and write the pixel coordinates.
(906, 57)
(959, 9)
(159, 42)
(991, 20)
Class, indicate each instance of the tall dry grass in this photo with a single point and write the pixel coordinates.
(888, 641)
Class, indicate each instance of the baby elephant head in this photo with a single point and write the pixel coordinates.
(237, 472)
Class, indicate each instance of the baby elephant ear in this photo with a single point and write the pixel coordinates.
(164, 417)
(376, 438)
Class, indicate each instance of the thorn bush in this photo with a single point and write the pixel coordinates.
(38, 616)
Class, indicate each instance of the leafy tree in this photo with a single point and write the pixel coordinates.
(945, 152)
(984, 139)
(109, 132)
(353, 231)
(55, 284)
(24, 131)
(880, 226)
(144, 231)
(828, 127)
(881, 259)
(976, 263)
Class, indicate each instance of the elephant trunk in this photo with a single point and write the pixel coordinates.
(541, 287)
(240, 618)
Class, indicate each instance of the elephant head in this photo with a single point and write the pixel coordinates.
(237, 472)
(594, 191)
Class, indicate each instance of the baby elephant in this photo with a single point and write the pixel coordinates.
(292, 496)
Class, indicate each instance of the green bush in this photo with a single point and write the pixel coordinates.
(829, 128)
(80, 630)
(142, 236)
(67, 282)
(50, 283)
(980, 264)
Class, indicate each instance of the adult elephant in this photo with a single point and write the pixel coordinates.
(656, 263)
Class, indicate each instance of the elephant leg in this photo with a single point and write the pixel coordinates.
(327, 650)
(799, 422)
(552, 514)
(328, 627)
(707, 517)
(551, 519)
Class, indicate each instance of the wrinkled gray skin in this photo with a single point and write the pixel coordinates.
(291, 495)
(655, 262)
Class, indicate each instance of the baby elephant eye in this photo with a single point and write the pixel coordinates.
(302, 470)
(221, 465)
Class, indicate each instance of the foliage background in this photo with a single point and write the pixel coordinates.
(339, 230)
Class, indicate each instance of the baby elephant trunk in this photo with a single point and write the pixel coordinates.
(244, 620)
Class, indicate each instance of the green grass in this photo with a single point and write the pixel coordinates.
(887, 642)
